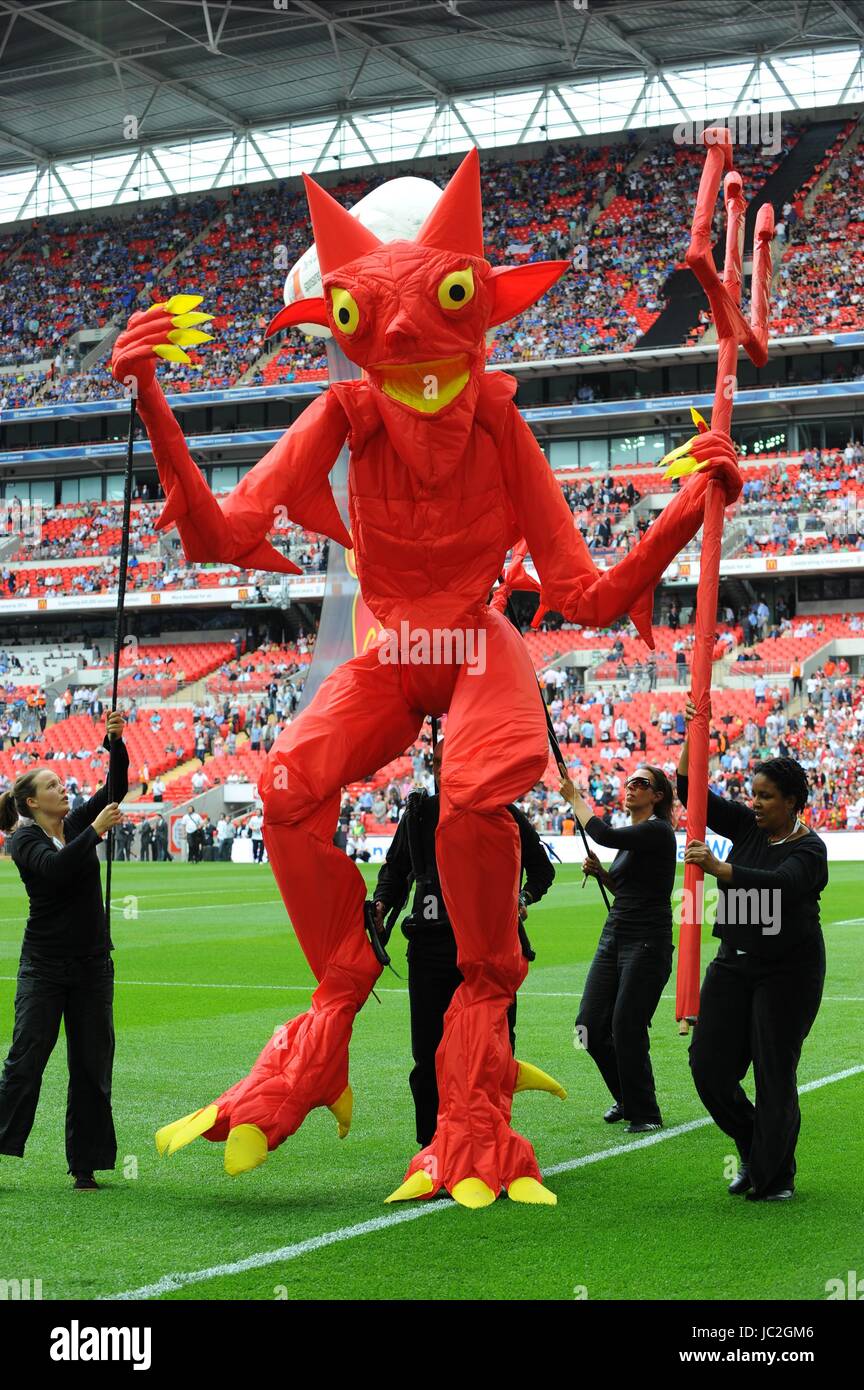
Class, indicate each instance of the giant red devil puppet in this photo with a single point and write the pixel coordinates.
(444, 477)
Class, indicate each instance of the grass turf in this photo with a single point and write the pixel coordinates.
(207, 966)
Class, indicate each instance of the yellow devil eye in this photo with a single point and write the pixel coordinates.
(456, 289)
(345, 310)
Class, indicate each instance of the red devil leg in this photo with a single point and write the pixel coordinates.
(495, 748)
(475, 1154)
(358, 719)
(303, 1066)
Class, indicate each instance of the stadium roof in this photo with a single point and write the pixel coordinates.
(72, 70)
(82, 78)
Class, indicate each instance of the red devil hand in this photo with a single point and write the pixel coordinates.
(164, 331)
(133, 355)
(713, 450)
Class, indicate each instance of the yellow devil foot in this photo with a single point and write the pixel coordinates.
(418, 1185)
(530, 1190)
(472, 1192)
(179, 1133)
(245, 1148)
(531, 1078)
(342, 1110)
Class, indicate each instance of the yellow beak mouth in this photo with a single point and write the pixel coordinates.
(425, 386)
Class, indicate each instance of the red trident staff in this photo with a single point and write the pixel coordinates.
(733, 332)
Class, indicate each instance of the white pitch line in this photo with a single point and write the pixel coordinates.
(170, 1283)
(118, 904)
(393, 989)
(571, 1163)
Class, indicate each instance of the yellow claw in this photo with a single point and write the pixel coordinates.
(683, 467)
(181, 1132)
(472, 1192)
(679, 452)
(189, 337)
(245, 1149)
(531, 1191)
(182, 303)
(418, 1185)
(178, 303)
(190, 320)
(697, 418)
(342, 1109)
(171, 353)
(531, 1078)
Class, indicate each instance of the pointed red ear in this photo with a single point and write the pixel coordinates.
(456, 221)
(339, 237)
(301, 311)
(518, 286)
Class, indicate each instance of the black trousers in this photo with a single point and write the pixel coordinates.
(757, 1011)
(433, 979)
(258, 851)
(622, 991)
(81, 992)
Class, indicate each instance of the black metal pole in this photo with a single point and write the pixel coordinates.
(118, 633)
(555, 745)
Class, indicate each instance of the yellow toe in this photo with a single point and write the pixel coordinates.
(418, 1185)
(342, 1109)
(181, 1132)
(532, 1191)
(245, 1149)
(531, 1078)
(472, 1192)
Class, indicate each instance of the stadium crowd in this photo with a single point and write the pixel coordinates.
(621, 215)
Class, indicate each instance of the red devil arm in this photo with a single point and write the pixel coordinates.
(291, 482)
(571, 583)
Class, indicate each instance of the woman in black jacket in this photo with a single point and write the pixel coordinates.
(66, 970)
(633, 960)
(762, 991)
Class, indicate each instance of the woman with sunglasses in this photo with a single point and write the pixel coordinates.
(762, 991)
(66, 971)
(633, 960)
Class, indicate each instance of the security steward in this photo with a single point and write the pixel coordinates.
(433, 975)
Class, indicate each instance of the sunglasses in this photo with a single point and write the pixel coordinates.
(641, 782)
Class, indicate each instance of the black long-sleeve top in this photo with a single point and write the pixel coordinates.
(395, 874)
(796, 872)
(642, 874)
(67, 914)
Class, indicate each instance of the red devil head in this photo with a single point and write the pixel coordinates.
(414, 314)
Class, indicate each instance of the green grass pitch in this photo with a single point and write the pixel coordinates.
(207, 969)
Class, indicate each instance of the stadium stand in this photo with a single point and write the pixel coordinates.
(621, 217)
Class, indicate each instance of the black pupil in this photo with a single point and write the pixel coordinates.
(457, 292)
(343, 315)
